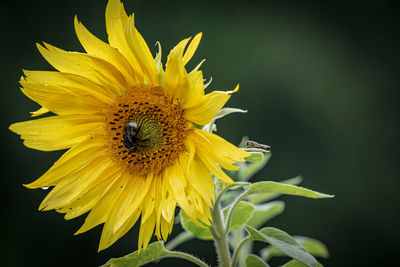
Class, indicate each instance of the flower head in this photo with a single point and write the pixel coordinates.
(134, 148)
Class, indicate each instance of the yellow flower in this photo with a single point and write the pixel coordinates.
(135, 148)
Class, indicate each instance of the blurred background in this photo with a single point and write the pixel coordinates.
(319, 80)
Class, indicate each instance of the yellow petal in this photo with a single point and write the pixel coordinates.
(192, 48)
(126, 196)
(214, 168)
(109, 239)
(89, 199)
(71, 187)
(141, 51)
(114, 227)
(148, 205)
(158, 199)
(116, 20)
(168, 202)
(177, 182)
(73, 84)
(98, 48)
(225, 149)
(166, 228)
(205, 217)
(103, 208)
(57, 132)
(218, 153)
(159, 64)
(206, 154)
(195, 92)
(130, 205)
(175, 82)
(93, 68)
(190, 148)
(200, 179)
(208, 107)
(146, 232)
(62, 101)
(75, 158)
(39, 112)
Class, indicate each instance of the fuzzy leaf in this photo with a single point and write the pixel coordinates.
(234, 186)
(255, 261)
(274, 187)
(262, 197)
(241, 215)
(200, 232)
(154, 251)
(284, 242)
(255, 157)
(313, 246)
(265, 212)
(231, 194)
(294, 263)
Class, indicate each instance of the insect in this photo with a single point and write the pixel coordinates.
(254, 144)
(131, 140)
(141, 134)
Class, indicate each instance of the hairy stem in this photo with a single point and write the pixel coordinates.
(237, 236)
(179, 239)
(231, 210)
(220, 235)
(237, 250)
(188, 257)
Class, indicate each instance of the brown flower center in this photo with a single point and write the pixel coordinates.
(146, 130)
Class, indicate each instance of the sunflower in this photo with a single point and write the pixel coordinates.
(132, 130)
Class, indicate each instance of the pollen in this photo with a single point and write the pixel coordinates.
(146, 130)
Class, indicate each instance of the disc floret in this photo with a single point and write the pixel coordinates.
(146, 130)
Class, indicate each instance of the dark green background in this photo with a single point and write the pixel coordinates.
(320, 81)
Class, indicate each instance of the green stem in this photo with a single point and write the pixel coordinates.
(179, 239)
(188, 257)
(220, 238)
(237, 250)
(231, 210)
(220, 194)
(237, 236)
(219, 233)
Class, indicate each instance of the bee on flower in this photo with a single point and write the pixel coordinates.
(131, 127)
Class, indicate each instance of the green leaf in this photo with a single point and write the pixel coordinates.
(154, 251)
(262, 197)
(255, 261)
(274, 187)
(284, 242)
(255, 162)
(313, 246)
(294, 263)
(255, 157)
(265, 212)
(200, 232)
(236, 185)
(230, 195)
(241, 215)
